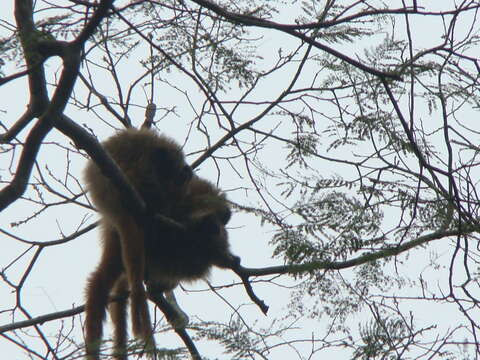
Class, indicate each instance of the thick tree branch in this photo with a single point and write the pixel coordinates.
(49, 112)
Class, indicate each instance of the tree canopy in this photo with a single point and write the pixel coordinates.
(345, 134)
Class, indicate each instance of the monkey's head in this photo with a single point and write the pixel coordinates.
(154, 164)
(207, 221)
(188, 254)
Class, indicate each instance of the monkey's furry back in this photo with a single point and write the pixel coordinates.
(148, 160)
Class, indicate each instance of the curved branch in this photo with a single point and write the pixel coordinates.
(249, 20)
(50, 111)
(362, 259)
(6, 79)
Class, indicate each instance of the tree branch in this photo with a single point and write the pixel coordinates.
(362, 259)
(249, 20)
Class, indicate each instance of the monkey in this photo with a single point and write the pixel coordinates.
(185, 254)
(155, 166)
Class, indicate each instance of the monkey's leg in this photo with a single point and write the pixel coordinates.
(133, 255)
(118, 313)
(98, 289)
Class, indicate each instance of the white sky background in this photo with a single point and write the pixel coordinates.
(58, 280)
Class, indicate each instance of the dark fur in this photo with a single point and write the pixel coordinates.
(175, 255)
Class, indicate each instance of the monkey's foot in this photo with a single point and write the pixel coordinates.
(141, 324)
